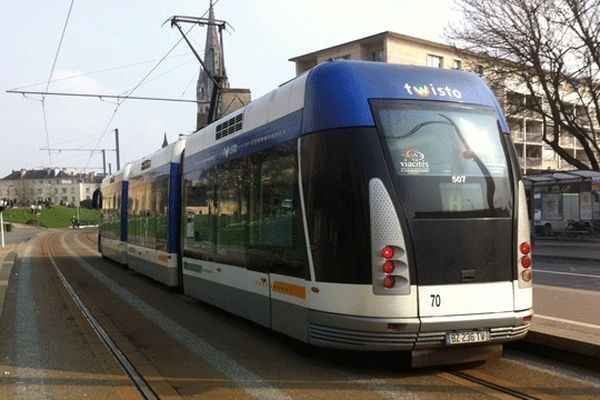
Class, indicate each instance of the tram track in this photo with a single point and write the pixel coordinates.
(137, 380)
(488, 387)
(496, 387)
(463, 381)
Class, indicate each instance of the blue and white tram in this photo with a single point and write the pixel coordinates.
(112, 239)
(154, 213)
(365, 206)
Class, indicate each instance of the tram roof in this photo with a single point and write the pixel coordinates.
(338, 92)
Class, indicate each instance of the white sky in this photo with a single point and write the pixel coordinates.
(112, 33)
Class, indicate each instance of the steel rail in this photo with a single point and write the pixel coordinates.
(136, 378)
(491, 385)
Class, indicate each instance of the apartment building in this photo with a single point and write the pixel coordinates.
(57, 186)
(526, 126)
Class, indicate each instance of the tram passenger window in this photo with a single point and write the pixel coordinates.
(336, 209)
(246, 212)
(147, 210)
(231, 210)
(275, 234)
(111, 207)
(200, 201)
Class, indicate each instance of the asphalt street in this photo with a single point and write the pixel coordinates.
(574, 274)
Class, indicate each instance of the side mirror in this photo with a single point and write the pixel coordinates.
(97, 199)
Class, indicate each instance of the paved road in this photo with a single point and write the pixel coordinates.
(190, 350)
(571, 273)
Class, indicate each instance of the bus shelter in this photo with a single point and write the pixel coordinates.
(564, 204)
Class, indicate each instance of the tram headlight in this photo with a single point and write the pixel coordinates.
(527, 275)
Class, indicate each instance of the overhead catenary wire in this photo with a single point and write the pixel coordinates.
(168, 71)
(62, 36)
(120, 99)
(99, 71)
(105, 96)
(129, 93)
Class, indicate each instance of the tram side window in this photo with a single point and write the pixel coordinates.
(231, 210)
(275, 231)
(147, 213)
(246, 212)
(200, 200)
(111, 216)
(337, 211)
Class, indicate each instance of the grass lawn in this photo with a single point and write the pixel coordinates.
(55, 217)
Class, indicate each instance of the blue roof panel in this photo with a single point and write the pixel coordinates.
(337, 92)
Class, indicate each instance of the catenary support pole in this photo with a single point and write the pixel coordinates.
(117, 149)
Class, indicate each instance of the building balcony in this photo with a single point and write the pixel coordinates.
(530, 162)
(535, 137)
(567, 141)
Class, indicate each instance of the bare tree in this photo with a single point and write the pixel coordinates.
(551, 50)
(24, 191)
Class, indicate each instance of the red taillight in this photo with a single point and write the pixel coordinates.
(388, 267)
(527, 318)
(527, 275)
(389, 282)
(526, 261)
(387, 252)
(525, 248)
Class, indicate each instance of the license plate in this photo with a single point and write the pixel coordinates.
(467, 337)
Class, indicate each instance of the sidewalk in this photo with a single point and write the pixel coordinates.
(8, 255)
(554, 324)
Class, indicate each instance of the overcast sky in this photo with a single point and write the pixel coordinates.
(111, 34)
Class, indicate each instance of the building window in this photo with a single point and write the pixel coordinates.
(479, 69)
(377, 56)
(344, 57)
(435, 61)
(457, 64)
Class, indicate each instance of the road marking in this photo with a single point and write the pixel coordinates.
(570, 322)
(246, 380)
(532, 362)
(565, 273)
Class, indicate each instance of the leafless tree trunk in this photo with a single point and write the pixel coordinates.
(551, 50)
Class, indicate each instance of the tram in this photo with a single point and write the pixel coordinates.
(154, 213)
(112, 240)
(363, 206)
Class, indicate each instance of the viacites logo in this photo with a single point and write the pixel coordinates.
(423, 90)
(413, 161)
(413, 155)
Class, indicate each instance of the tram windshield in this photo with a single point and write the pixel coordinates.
(449, 159)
